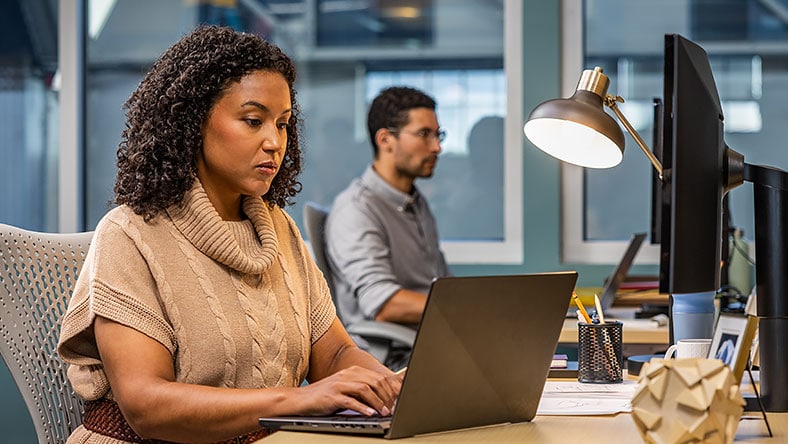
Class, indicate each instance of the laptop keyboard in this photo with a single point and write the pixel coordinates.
(351, 416)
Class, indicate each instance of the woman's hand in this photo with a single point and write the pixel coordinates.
(366, 391)
(342, 376)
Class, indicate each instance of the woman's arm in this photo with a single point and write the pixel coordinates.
(142, 376)
(338, 368)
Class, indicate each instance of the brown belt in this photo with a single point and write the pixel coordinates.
(103, 416)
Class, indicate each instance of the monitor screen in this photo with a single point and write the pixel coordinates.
(693, 150)
(657, 186)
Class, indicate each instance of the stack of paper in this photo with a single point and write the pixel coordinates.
(559, 361)
(577, 398)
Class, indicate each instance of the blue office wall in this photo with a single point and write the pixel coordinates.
(541, 188)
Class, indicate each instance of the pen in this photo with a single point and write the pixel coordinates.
(611, 354)
(580, 306)
(401, 371)
(599, 309)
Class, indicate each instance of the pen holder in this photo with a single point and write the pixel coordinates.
(599, 353)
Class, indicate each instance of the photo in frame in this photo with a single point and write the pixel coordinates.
(732, 340)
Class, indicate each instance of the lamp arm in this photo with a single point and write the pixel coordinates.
(610, 101)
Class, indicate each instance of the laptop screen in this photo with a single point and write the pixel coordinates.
(619, 274)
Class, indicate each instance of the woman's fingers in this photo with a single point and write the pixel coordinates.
(360, 389)
(370, 388)
(386, 387)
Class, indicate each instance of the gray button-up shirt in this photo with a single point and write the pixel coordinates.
(380, 240)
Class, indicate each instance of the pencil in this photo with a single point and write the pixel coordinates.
(580, 306)
(401, 371)
(599, 309)
(606, 342)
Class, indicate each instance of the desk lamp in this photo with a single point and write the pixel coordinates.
(577, 130)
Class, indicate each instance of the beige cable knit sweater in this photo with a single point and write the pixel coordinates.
(238, 304)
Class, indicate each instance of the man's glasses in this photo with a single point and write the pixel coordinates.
(425, 134)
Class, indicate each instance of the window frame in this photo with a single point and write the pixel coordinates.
(575, 248)
(510, 249)
(71, 134)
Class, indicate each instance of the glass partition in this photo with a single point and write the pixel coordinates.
(29, 110)
(345, 53)
(746, 43)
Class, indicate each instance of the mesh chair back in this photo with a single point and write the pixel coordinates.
(37, 275)
(315, 225)
(375, 337)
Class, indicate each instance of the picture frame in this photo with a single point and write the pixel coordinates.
(732, 341)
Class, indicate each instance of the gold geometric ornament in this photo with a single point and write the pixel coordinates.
(687, 401)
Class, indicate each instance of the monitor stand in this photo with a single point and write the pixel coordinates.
(770, 191)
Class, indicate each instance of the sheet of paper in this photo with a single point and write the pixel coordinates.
(641, 324)
(576, 407)
(577, 398)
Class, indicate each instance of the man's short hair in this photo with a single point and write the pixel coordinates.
(390, 109)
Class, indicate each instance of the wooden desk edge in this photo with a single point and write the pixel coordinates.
(548, 429)
(656, 335)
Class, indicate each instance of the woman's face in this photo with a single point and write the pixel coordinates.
(244, 140)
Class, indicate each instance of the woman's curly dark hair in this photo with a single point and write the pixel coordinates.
(157, 155)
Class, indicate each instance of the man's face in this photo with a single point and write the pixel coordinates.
(417, 145)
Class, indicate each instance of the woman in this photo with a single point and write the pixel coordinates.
(198, 309)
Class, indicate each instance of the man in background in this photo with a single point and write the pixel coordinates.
(381, 237)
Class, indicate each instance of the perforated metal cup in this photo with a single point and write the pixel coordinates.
(599, 352)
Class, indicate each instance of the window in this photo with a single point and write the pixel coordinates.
(745, 41)
(471, 104)
(28, 114)
(467, 55)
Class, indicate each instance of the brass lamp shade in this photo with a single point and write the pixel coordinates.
(578, 130)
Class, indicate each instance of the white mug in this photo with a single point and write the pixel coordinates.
(689, 348)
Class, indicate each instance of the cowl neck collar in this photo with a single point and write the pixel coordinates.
(197, 219)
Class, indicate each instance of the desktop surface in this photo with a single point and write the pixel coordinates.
(635, 331)
(550, 429)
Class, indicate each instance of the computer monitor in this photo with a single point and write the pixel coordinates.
(693, 151)
(698, 169)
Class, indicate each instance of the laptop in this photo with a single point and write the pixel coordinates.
(616, 278)
(481, 356)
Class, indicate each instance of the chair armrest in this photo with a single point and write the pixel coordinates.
(384, 330)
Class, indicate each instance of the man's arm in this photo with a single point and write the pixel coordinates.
(359, 255)
(403, 307)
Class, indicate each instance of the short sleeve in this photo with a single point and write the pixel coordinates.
(116, 283)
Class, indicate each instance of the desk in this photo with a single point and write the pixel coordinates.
(640, 336)
(639, 332)
(548, 429)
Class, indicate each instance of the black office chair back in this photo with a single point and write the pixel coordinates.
(315, 224)
(378, 338)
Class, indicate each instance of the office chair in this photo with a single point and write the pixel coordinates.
(37, 274)
(379, 338)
